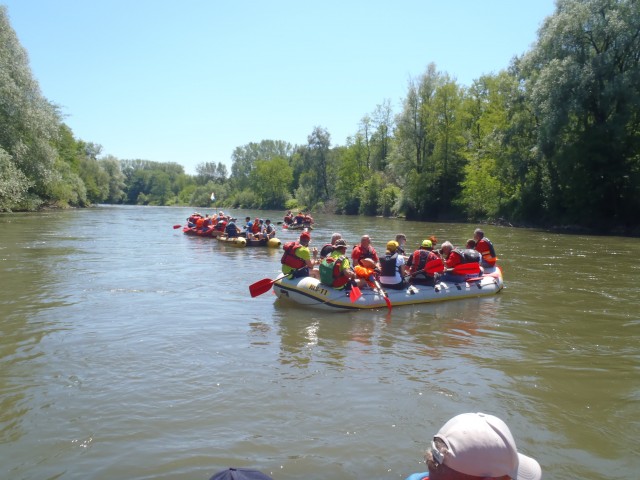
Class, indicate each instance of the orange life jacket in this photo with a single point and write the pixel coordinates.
(485, 247)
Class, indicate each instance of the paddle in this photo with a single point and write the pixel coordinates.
(384, 294)
(176, 226)
(465, 269)
(355, 293)
(264, 285)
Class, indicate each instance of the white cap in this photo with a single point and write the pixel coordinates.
(482, 445)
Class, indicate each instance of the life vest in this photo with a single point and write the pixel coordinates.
(388, 265)
(255, 228)
(268, 229)
(331, 272)
(326, 250)
(485, 247)
(289, 257)
(427, 261)
(464, 261)
(288, 219)
(364, 272)
(221, 225)
(232, 230)
(360, 253)
(200, 222)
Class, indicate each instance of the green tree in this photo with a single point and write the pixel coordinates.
(13, 183)
(316, 178)
(243, 159)
(211, 172)
(583, 78)
(28, 122)
(272, 182)
(383, 124)
(116, 182)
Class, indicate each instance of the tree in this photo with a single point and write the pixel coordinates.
(116, 192)
(211, 172)
(13, 183)
(583, 79)
(28, 122)
(272, 181)
(243, 159)
(382, 122)
(317, 164)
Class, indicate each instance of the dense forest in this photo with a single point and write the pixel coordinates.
(551, 140)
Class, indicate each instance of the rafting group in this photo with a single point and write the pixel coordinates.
(395, 269)
(301, 220)
(331, 278)
(221, 224)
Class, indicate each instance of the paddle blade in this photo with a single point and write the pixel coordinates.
(355, 294)
(176, 226)
(467, 269)
(260, 287)
(434, 266)
(388, 302)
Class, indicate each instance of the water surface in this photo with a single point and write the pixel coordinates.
(131, 351)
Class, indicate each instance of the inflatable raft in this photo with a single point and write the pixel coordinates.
(200, 232)
(309, 292)
(271, 242)
(298, 226)
(242, 242)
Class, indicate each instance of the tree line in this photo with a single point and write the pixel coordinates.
(553, 139)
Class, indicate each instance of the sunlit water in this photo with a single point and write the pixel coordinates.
(131, 351)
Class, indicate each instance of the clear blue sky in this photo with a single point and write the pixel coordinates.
(190, 81)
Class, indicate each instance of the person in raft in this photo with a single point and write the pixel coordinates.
(231, 229)
(330, 247)
(392, 268)
(335, 269)
(485, 247)
(269, 230)
(424, 264)
(296, 259)
(364, 250)
(474, 446)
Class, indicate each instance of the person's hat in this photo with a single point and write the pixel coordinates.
(240, 474)
(481, 445)
(306, 236)
(341, 243)
(392, 245)
(426, 244)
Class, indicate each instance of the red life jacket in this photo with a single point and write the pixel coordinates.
(464, 261)
(255, 228)
(428, 261)
(289, 257)
(359, 253)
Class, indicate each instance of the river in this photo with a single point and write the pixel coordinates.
(131, 351)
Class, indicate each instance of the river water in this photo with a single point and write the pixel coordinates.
(131, 351)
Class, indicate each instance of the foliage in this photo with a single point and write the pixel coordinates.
(272, 180)
(553, 139)
(583, 81)
(13, 183)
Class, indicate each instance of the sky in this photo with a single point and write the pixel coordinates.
(189, 81)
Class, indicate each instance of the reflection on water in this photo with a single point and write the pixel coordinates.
(133, 351)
